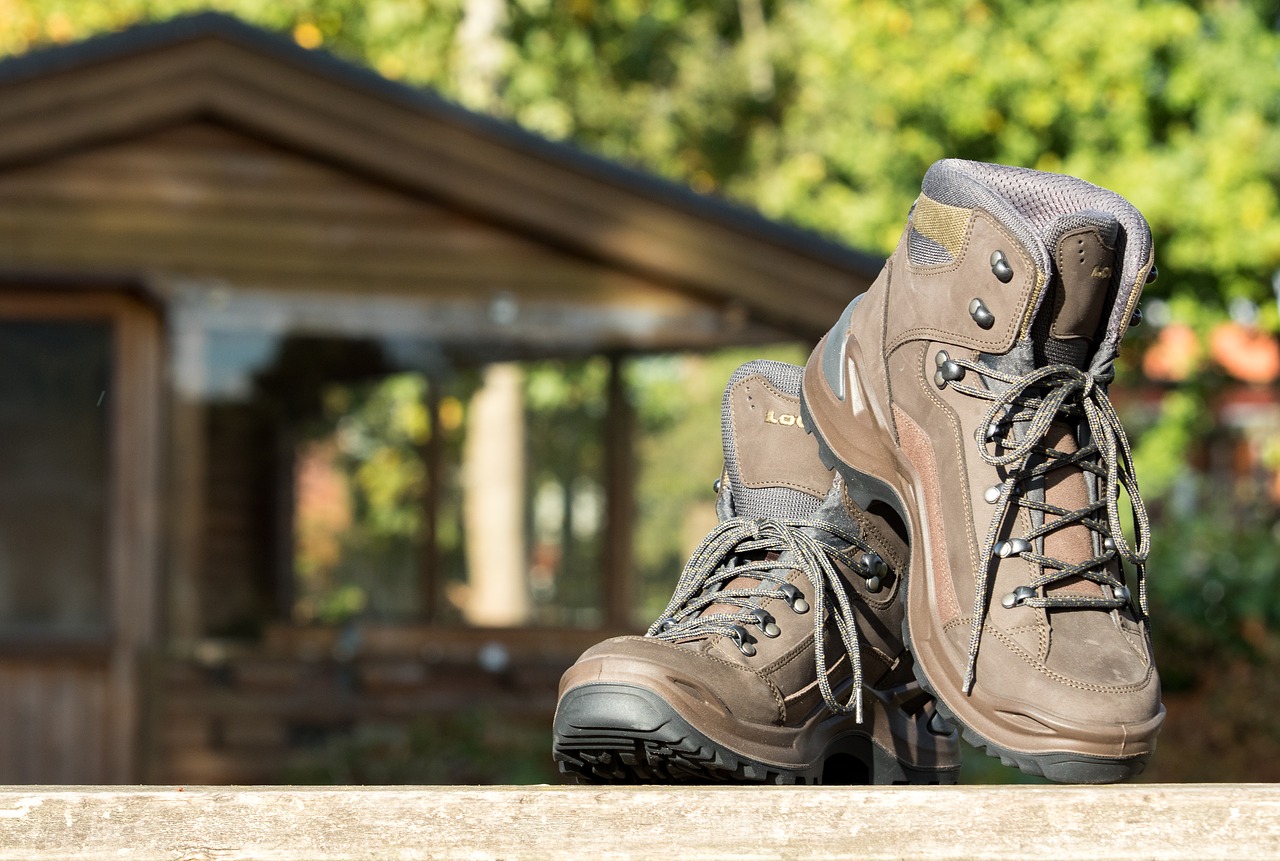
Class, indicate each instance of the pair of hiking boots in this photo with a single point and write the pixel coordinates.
(920, 531)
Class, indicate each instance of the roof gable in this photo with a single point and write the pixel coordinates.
(198, 207)
(212, 66)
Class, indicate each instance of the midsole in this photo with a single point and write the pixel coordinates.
(799, 748)
(877, 470)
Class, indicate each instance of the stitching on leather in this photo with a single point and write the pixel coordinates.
(763, 381)
(958, 438)
(1013, 326)
(1021, 653)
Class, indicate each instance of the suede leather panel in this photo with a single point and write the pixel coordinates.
(805, 699)
(1008, 672)
(1090, 647)
(932, 303)
(1085, 267)
(942, 441)
(742, 691)
(916, 446)
(772, 446)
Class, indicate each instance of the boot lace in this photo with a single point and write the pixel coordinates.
(1038, 398)
(766, 549)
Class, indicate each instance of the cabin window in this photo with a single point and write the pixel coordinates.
(467, 498)
(389, 477)
(55, 402)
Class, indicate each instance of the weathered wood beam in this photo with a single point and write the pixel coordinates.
(620, 499)
(1228, 821)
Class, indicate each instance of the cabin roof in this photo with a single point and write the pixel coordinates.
(212, 66)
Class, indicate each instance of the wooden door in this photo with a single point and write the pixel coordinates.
(78, 454)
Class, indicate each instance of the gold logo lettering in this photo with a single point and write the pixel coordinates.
(1101, 272)
(784, 419)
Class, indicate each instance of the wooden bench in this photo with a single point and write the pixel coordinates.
(1197, 821)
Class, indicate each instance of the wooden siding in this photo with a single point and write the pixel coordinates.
(234, 713)
(126, 85)
(45, 705)
(204, 202)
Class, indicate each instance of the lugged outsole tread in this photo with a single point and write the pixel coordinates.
(674, 752)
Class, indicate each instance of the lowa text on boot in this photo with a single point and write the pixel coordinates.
(967, 389)
(779, 658)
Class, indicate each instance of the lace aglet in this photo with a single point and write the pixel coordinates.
(857, 705)
(967, 687)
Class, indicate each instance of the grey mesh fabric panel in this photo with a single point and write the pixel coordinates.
(1054, 352)
(777, 502)
(923, 251)
(1029, 202)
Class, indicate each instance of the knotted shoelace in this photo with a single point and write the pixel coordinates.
(740, 547)
(1039, 397)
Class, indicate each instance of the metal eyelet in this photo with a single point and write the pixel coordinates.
(1017, 596)
(873, 570)
(1122, 593)
(794, 598)
(742, 641)
(1136, 319)
(1153, 274)
(949, 371)
(871, 565)
(981, 314)
(992, 494)
(1012, 547)
(766, 623)
(717, 485)
(1000, 267)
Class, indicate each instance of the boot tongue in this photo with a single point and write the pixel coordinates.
(1081, 288)
(1067, 330)
(771, 463)
(772, 468)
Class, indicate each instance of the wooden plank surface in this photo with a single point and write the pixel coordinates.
(1122, 822)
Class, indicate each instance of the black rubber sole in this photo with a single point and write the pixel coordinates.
(1060, 767)
(617, 733)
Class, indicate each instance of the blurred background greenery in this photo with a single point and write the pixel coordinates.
(825, 114)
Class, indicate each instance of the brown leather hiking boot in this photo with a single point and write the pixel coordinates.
(779, 659)
(967, 388)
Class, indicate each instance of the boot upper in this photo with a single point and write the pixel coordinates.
(1003, 310)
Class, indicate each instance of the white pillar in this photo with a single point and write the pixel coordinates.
(493, 504)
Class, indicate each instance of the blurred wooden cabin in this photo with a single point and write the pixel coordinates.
(243, 284)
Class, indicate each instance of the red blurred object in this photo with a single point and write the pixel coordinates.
(1245, 352)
